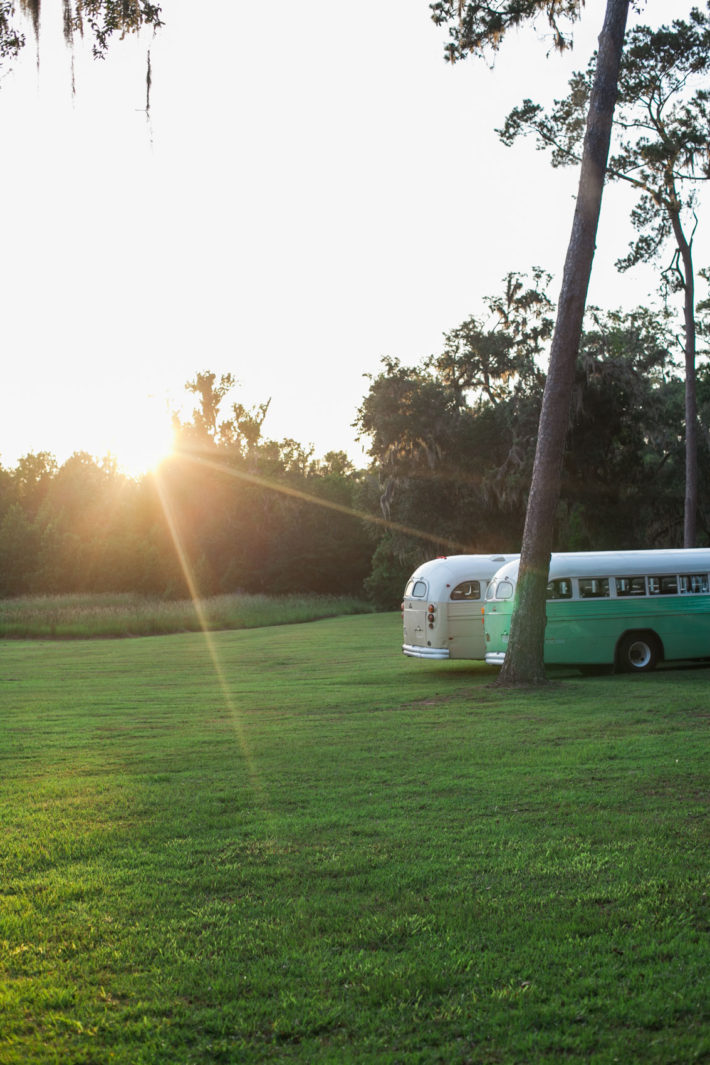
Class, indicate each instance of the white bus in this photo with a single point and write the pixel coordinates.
(623, 609)
(442, 610)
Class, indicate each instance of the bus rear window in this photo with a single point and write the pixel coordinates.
(466, 590)
(416, 590)
(561, 589)
(626, 586)
(502, 589)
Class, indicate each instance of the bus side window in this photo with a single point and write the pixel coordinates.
(466, 590)
(695, 584)
(560, 589)
(630, 586)
(662, 585)
(593, 587)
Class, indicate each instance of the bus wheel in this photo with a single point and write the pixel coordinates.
(638, 653)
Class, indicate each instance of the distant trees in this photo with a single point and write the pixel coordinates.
(259, 514)
(452, 443)
(227, 511)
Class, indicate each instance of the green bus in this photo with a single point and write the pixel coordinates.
(626, 610)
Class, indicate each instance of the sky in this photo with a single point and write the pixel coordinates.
(313, 189)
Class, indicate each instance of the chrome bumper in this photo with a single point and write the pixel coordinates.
(425, 652)
(495, 658)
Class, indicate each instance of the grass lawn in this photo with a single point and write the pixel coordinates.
(294, 845)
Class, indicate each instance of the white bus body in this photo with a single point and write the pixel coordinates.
(622, 609)
(442, 606)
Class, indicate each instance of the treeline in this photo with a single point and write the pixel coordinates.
(226, 512)
(452, 442)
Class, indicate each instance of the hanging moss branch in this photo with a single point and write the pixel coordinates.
(105, 18)
(101, 18)
(10, 40)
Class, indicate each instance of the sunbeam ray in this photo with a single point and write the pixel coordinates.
(274, 486)
(237, 722)
(182, 555)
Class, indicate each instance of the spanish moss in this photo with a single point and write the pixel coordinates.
(102, 19)
(33, 10)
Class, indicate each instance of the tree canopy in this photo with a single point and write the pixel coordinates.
(477, 26)
(455, 459)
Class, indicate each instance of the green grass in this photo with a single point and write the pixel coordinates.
(88, 616)
(295, 845)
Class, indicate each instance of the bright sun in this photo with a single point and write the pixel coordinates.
(140, 442)
(144, 450)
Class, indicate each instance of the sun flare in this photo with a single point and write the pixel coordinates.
(144, 439)
(144, 452)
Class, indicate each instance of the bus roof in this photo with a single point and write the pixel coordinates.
(620, 563)
(452, 569)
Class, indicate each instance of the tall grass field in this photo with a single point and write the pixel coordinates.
(100, 616)
(292, 844)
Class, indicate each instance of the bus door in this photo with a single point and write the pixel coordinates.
(414, 613)
(466, 620)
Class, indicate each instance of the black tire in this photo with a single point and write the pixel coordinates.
(638, 652)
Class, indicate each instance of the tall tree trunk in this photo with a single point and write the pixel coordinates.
(524, 658)
(691, 401)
